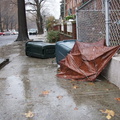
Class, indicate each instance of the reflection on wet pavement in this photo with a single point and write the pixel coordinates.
(24, 79)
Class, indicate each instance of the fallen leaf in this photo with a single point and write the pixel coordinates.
(108, 117)
(110, 113)
(107, 89)
(75, 108)
(59, 97)
(72, 80)
(102, 111)
(75, 87)
(30, 104)
(45, 92)
(118, 99)
(91, 83)
(58, 70)
(29, 114)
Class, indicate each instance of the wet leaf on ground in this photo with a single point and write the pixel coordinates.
(108, 117)
(72, 80)
(75, 108)
(91, 83)
(45, 92)
(118, 99)
(75, 87)
(110, 113)
(59, 97)
(29, 114)
(58, 70)
(107, 89)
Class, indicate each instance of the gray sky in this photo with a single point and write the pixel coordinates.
(54, 7)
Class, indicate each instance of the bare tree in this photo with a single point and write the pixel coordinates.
(22, 25)
(8, 14)
(50, 23)
(13, 20)
(36, 8)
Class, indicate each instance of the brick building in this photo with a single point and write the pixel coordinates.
(70, 6)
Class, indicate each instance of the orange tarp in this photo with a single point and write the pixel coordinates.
(86, 61)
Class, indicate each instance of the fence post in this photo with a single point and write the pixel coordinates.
(60, 28)
(107, 20)
(77, 22)
(65, 28)
(74, 30)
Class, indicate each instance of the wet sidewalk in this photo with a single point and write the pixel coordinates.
(3, 62)
(30, 90)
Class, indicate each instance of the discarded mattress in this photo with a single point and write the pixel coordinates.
(40, 49)
(86, 61)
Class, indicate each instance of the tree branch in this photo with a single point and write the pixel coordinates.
(43, 3)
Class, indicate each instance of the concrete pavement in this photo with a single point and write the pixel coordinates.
(30, 90)
(3, 62)
(38, 37)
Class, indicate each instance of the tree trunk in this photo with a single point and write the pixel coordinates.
(39, 25)
(0, 20)
(1, 24)
(22, 25)
(39, 19)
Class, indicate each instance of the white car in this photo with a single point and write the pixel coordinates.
(7, 32)
(14, 32)
(32, 32)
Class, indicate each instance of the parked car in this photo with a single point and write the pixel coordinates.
(7, 32)
(1, 33)
(14, 32)
(32, 32)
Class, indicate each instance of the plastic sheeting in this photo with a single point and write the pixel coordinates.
(86, 61)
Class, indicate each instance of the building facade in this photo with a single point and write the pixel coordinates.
(71, 5)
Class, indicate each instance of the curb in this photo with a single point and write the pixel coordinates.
(3, 62)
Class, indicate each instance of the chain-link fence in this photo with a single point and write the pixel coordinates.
(91, 21)
(114, 11)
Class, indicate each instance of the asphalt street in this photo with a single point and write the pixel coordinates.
(8, 39)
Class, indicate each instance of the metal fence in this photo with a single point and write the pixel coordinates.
(114, 11)
(92, 23)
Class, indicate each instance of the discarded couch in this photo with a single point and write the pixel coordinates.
(86, 60)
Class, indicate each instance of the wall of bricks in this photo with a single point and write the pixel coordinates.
(64, 35)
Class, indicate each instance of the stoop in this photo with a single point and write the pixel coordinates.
(112, 71)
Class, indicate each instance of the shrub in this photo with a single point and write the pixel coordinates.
(70, 17)
(53, 36)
